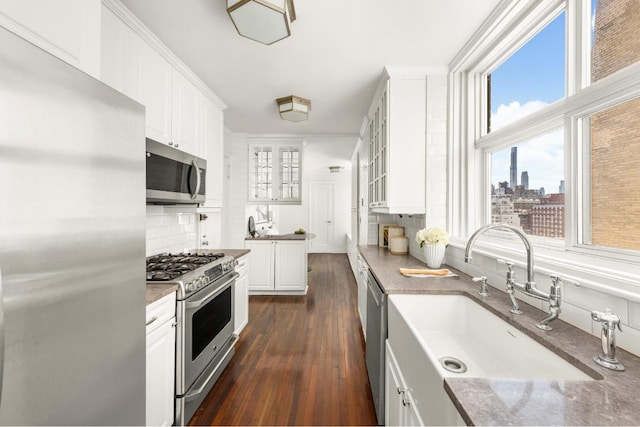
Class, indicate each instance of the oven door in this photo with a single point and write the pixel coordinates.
(207, 325)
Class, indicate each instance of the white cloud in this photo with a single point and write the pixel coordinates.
(507, 114)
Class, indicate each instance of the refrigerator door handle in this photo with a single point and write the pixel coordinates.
(1, 336)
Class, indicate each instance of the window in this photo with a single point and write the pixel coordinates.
(566, 169)
(531, 78)
(527, 185)
(275, 173)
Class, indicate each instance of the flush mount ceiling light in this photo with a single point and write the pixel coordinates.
(265, 21)
(294, 108)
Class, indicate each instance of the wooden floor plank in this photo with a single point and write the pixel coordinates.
(300, 360)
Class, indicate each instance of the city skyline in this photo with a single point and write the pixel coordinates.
(529, 80)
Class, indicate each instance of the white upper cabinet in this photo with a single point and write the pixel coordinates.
(397, 139)
(180, 110)
(214, 147)
(119, 64)
(134, 68)
(275, 173)
(186, 115)
(68, 29)
(154, 83)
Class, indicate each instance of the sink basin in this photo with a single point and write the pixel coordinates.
(457, 328)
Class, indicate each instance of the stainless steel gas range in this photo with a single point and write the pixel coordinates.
(204, 313)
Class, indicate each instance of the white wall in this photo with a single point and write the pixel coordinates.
(319, 152)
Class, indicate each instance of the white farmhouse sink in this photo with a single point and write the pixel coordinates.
(455, 326)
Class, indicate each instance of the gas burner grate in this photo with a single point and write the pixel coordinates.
(170, 266)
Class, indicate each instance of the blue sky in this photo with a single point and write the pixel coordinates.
(530, 79)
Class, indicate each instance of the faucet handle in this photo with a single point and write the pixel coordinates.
(483, 285)
(509, 264)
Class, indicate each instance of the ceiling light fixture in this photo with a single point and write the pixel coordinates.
(294, 108)
(265, 21)
(336, 169)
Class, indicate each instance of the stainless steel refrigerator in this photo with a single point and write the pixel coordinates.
(72, 245)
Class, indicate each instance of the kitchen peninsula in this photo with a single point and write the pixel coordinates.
(278, 264)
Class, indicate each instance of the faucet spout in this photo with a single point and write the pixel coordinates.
(527, 245)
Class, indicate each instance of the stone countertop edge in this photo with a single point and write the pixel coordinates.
(290, 236)
(155, 291)
(611, 399)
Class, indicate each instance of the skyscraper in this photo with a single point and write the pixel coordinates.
(524, 180)
(513, 169)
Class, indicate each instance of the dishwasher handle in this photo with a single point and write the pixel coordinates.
(374, 289)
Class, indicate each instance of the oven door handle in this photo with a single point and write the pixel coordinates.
(200, 385)
(198, 303)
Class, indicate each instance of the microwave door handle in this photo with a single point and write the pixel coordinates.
(198, 180)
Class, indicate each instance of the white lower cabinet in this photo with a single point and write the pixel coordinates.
(277, 267)
(241, 314)
(161, 365)
(400, 408)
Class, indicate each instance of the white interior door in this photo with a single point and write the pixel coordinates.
(321, 217)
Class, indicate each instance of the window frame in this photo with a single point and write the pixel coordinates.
(510, 26)
(275, 142)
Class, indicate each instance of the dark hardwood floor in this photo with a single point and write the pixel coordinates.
(300, 360)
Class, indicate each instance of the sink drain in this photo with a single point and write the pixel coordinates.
(452, 364)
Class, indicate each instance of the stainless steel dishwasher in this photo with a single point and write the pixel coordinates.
(376, 336)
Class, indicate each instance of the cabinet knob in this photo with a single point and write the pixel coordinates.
(177, 145)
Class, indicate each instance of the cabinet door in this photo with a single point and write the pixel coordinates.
(119, 64)
(213, 141)
(68, 29)
(161, 347)
(186, 118)
(290, 265)
(154, 83)
(260, 266)
(394, 392)
(241, 314)
(412, 417)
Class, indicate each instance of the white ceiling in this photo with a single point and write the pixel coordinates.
(334, 57)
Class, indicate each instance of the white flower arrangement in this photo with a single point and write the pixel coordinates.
(432, 235)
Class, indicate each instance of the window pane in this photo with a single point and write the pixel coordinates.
(615, 36)
(530, 79)
(527, 187)
(615, 177)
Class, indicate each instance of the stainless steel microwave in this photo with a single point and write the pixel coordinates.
(173, 176)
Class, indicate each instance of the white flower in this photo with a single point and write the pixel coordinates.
(432, 235)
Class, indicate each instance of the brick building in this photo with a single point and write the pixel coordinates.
(547, 217)
(615, 133)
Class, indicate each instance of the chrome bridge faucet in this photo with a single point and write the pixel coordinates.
(554, 297)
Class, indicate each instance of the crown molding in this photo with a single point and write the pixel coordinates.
(152, 40)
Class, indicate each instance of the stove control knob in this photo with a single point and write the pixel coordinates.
(189, 287)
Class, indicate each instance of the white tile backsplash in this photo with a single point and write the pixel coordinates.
(169, 230)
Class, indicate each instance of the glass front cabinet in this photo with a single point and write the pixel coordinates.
(275, 174)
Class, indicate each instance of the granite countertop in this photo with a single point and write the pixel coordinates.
(155, 291)
(291, 236)
(612, 399)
